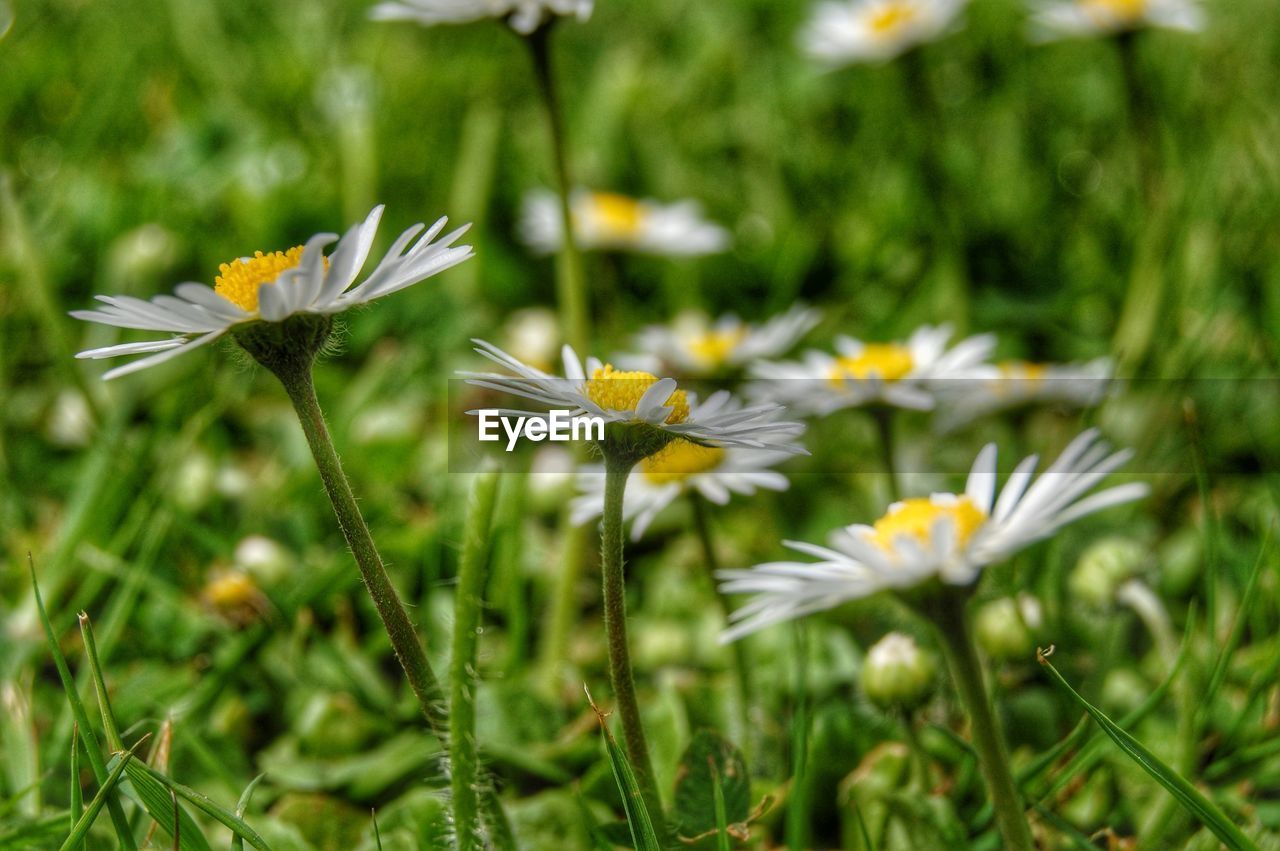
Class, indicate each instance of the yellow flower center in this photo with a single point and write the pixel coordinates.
(1023, 371)
(620, 390)
(617, 215)
(915, 517)
(891, 17)
(229, 589)
(714, 347)
(1124, 10)
(241, 278)
(886, 361)
(679, 460)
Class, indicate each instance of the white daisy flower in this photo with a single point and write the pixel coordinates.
(607, 220)
(272, 287)
(901, 374)
(1058, 19)
(524, 16)
(1018, 383)
(635, 398)
(681, 467)
(695, 346)
(946, 537)
(849, 32)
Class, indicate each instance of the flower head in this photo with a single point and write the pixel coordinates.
(655, 406)
(524, 16)
(607, 220)
(695, 346)
(904, 374)
(947, 537)
(1012, 384)
(680, 467)
(1058, 19)
(272, 287)
(848, 32)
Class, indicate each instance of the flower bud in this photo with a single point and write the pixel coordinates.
(897, 674)
(263, 559)
(1004, 628)
(1104, 567)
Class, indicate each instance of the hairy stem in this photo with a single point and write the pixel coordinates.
(615, 625)
(950, 618)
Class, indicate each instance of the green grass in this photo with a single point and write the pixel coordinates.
(145, 143)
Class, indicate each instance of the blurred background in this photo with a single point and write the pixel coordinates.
(989, 182)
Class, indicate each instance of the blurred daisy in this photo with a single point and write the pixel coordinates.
(1059, 19)
(532, 335)
(901, 374)
(270, 288)
(1018, 383)
(606, 220)
(695, 346)
(945, 537)
(682, 467)
(848, 32)
(524, 16)
(636, 398)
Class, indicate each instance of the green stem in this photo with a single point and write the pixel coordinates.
(571, 289)
(742, 671)
(950, 618)
(615, 625)
(464, 776)
(298, 383)
(883, 416)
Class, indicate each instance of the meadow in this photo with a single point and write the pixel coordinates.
(1112, 200)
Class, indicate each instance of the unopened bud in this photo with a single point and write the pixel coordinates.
(1005, 628)
(1104, 567)
(897, 674)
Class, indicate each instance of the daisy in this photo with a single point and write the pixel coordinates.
(1018, 383)
(712, 472)
(901, 374)
(1058, 19)
(695, 346)
(523, 16)
(848, 32)
(636, 398)
(606, 220)
(270, 288)
(945, 537)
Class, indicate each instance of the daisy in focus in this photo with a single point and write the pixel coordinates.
(850, 32)
(714, 473)
(1058, 19)
(634, 398)
(1019, 383)
(947, 538)
(270, 288)
(695, 346)
(606, 220)
(905, 374)
(523, 16)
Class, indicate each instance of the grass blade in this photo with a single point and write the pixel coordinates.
(237, 840)
(1200, 807)
(82, 825)
(77, 794)
(114, 742)
(643, 834)
(157, 801)
(91, 746)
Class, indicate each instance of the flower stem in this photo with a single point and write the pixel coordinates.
(615, 625)
(952, 622)
(571, 290)
(298, 383)
(742, 671)
(883, 415)
(464, 768)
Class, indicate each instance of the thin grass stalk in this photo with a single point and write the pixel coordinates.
(464, 764)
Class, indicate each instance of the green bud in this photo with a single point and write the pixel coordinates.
(897, 674)
(1004, 627)
(1104, 567)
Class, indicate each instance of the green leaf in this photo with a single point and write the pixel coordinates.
(158, 800)
(145, 788)
(644, 836)
(81, 828)
(710, 762)
(1200, 807)
(237, 841)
